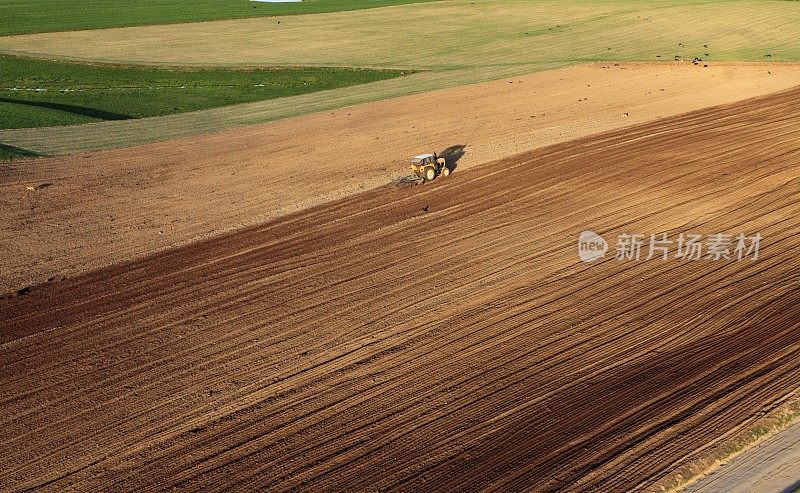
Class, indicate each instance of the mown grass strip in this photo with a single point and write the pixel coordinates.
(24, 16)
(42, 93)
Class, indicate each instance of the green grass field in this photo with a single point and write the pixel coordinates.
(464, 41)
(25, 16)
(39, 93)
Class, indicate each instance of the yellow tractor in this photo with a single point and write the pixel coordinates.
(429, 166)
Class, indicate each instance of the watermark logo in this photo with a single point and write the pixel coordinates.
(686, 246)
(591, 246)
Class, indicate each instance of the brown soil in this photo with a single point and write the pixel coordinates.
(111, 206)
(435, 338)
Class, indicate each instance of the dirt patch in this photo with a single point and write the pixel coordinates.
(109, 206)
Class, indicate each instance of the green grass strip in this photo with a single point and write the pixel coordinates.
(42, 93)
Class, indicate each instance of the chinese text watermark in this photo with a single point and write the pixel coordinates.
(684, 246)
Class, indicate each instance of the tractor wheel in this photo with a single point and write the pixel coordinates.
(445, 171)
(430, 173)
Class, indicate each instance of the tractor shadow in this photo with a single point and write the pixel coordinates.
(791, 489)
(452, 154)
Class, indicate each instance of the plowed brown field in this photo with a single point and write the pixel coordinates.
(438, 338)
(115, 205)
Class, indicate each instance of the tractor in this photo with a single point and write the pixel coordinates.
(429, 166)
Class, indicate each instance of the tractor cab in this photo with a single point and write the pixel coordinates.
(423, 159)
(429, 166)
